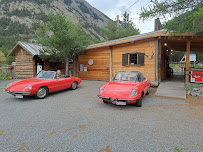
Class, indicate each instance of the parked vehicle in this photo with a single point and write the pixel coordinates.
(126, 88)
(44, 83)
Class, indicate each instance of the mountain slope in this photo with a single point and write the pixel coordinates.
(19, 18)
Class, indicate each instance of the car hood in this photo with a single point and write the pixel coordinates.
(21, 84)
(120, 86)
(118, 89)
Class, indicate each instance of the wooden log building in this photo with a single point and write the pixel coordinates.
(27, 59)
(147, 53)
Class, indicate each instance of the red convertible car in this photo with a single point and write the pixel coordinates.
(44, 83)
(126, 88)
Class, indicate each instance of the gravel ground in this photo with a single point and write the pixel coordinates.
(78, 121)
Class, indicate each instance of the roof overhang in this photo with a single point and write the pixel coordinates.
(131, 39)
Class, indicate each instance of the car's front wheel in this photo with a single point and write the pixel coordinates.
(73, 86)
(139, 103)
(42, 92)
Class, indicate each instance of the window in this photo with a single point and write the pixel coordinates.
(133, 59)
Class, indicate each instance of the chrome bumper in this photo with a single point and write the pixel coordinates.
(111, 99)
(18, 93)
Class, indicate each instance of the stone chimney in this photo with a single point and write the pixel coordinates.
(157, 24)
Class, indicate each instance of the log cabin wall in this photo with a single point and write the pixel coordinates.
(24, 64)
(146, 46)
(99, 70)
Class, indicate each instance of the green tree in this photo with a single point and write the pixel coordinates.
(62, 39)
(6, 51)
(187, 14)
(126, 28)
(2, 57)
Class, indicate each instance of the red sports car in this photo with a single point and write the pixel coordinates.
(44, 83)
(126, 88)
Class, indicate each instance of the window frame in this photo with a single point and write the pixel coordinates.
(126, 59)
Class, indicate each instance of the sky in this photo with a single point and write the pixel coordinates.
(112, 8)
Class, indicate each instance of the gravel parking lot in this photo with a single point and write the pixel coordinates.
(78, 121)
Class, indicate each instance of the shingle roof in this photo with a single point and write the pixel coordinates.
(31, 48)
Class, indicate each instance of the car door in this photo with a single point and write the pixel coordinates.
(63, 83)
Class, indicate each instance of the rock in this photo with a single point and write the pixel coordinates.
(188, 92)
(194, 93)
(195, 89)
(201, 90)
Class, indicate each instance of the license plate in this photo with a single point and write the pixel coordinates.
(121, 103)
(19, 96)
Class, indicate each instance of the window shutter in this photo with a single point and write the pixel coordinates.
(141, 58)
(125, 59)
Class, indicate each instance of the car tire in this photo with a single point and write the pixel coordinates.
(73, 86)
(139, 103)
(105, 101)
(148, 91)
(41, 93)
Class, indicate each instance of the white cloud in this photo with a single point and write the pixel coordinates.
(112, 8)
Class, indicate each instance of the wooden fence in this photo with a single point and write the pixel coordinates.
(7, 72)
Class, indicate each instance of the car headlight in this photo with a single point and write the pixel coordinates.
(134, 92)
(9, 84)
(101, 90)
(29, 87)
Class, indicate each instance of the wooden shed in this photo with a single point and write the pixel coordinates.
(27, 59)
(145, 53)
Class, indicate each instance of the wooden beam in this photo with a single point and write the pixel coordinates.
(157, 59)
(187, 61)
(160, 46)
(34, 66)
(110, 64)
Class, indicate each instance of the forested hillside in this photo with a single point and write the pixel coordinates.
(20, 18)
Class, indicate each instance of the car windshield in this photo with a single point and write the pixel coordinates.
(125, 76)
(46, 75)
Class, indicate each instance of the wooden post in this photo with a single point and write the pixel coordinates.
(110, 64)
(74, 66)
(187, 62)
(34, 66)
(156, 59)
(77, 66)
(67, 66)
(159, 60)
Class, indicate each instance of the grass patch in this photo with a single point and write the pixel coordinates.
(192, 85)
(178, 149)
(5, 79)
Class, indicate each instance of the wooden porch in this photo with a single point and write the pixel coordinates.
(175, 89)
(184, 43)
